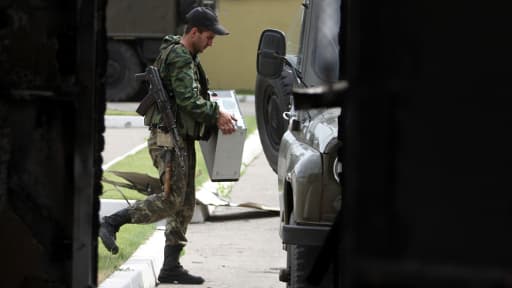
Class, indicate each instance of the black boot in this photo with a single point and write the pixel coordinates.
(172, 271)
(110, 225)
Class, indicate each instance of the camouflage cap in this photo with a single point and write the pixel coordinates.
(205, 18)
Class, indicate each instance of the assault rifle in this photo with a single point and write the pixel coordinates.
(158, 94)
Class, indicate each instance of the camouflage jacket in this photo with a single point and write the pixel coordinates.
(184, 78)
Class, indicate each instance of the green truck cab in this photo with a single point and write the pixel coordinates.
(134, 31)
(301, 145)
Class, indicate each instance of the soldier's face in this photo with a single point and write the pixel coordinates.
(203, 40)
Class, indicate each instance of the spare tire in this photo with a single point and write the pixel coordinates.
(123, 63)
(272, 98)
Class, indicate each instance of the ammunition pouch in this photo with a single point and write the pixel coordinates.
(164, 139)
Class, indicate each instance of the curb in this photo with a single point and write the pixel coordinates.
(112, 121)
(142, 268)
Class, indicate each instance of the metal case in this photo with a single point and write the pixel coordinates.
(223, 153)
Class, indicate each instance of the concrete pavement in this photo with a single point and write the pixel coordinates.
(238, 247)
(234, 247)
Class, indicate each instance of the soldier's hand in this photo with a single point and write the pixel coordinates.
(226, 122)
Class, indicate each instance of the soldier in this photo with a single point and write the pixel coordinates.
(196, 117)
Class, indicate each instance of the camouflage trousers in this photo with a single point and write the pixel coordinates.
(178, 208)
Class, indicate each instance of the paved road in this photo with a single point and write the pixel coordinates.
(119, 141)
(235, 248)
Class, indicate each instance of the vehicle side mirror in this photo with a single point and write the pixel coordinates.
(271, 53)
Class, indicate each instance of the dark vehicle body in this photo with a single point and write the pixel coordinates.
(135, 30)
(425, 188)
(301, 145)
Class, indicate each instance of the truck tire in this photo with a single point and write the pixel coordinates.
(123, 63)
(272, 98)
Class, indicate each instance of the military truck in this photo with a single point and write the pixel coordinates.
(134, 31)
(301, 145)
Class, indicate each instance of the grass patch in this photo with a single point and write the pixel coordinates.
(115, 112)
(129, 238)
(139, 162)
(244, 92)
(250, 123)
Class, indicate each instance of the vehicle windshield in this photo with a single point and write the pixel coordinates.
(293, 33)
(325, 57)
